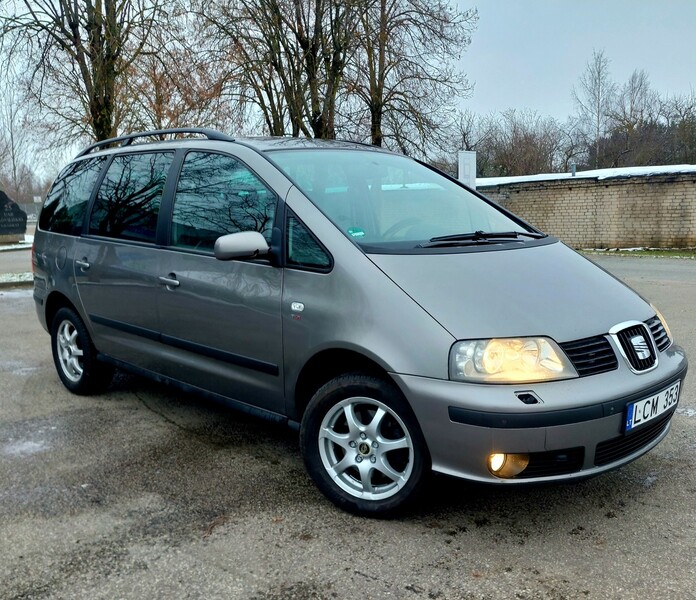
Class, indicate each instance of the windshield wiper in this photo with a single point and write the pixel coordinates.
(479, 237)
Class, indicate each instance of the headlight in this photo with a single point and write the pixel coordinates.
(509, 360)
(664, 323)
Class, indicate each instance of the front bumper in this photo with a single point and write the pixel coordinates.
(576, 430)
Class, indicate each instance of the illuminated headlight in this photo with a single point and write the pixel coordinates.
(509, 360)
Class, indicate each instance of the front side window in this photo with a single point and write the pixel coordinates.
(129, 198)
(66, 204)
(217, 195)
(385, 201)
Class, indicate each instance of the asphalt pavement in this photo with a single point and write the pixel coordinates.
(145, 492)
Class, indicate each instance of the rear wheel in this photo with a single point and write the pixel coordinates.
(362, 445)
(75, 356)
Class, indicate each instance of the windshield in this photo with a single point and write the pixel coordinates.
(385, 201)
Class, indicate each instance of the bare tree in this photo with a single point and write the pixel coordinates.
(403, 75)
(521, 143)
(287, 58)
(635, 104)
(572, 146)
(635, 134)
(15, 137)
(594, 98)
(472, 132)
(176, 82)
(80, 51)
(679, 115)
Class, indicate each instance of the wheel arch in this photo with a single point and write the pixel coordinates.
(325, 366)
(54, 302)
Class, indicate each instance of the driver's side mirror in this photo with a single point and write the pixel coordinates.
(245, 244)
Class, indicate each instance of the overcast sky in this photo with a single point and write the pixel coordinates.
(530, 53)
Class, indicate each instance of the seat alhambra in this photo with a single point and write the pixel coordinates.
(401, 321)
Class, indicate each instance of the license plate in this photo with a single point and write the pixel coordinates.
(650, 408)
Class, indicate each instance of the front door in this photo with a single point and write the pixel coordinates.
(221, 320)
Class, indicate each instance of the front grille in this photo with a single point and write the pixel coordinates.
(662, 340)
(557, 462)
(637, 347)
(591, 356)
(620, 447)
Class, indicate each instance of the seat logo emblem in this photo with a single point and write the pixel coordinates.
(641, 347)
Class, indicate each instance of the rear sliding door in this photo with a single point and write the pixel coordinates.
(117, 264)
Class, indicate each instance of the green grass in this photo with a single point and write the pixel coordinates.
(689, 253)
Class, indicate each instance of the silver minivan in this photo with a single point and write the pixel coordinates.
(403, 322)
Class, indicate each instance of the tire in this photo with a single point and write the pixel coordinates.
(75, 356)
(363, 447)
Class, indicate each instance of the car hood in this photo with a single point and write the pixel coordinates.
(547, 290)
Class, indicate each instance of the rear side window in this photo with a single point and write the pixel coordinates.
(66, 203)
(128, 200)
(217, 195)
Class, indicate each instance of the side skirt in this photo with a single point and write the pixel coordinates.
(192, 389)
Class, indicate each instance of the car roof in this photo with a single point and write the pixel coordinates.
(260, 144)
(266, 144)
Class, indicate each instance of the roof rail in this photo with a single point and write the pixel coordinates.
(126, 140)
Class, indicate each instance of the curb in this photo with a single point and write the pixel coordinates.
(15, 248)
(16, 280)
(24, 244)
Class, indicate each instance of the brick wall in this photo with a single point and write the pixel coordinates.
(657, 211)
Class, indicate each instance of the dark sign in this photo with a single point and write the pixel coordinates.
(13, 220)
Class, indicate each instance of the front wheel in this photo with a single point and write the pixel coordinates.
(362, 445)
(75, 356)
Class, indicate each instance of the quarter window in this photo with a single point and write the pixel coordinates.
(217, 195)
(66, 204)
(128, 201)
(303, 250)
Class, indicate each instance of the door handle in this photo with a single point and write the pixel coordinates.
(83, 264)
(170, 281)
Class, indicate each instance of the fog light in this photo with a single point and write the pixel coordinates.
(496, 462)
(507, 465)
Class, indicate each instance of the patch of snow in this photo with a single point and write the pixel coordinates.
(24, 448)
(16, 278)
(598, 174)
(687, 412)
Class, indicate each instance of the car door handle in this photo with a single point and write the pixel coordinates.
(169, 281)
(83, 264)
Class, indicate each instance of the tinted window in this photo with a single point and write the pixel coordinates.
(303, 250)
(217, 195)
(129, 197)
(66, 203)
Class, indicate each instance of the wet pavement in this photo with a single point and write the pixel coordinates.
(145, 492)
